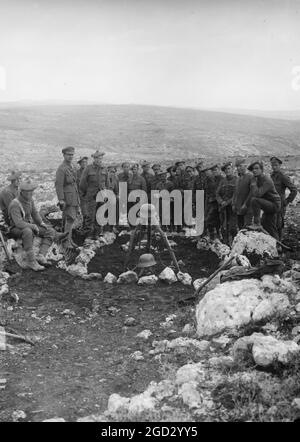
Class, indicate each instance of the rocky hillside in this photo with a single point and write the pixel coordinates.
(32, 136)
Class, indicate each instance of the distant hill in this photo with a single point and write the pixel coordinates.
(31, 137)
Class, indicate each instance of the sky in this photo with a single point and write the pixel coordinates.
(190, 53)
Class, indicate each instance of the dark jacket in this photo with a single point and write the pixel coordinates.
(242, 191)
(283, 182)
(66, 185)
(23, 213)
(6, 197)
(263, 187)
(93, 179)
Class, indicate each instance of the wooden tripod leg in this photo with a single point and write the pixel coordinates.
(166, 241)
(131, 245)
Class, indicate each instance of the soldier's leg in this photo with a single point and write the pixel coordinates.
(269, 223)
(27, 238)
(91, 217)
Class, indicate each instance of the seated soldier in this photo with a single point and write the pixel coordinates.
(263, 196)
(9, 193)
(26, 222)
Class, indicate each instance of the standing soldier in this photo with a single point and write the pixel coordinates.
(147, 175)
(282, 182)
(136, 182)
(188, 181)
(94, 179)
(244, 216)
(67, 192)
(212, 216)
(123, 178)
(9, 193)
(82, 165)
(224, 195)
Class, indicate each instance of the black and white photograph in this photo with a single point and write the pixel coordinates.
(149, 214)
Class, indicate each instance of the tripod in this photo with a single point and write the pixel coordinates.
(138, 231)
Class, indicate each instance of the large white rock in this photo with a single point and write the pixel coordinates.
(236, 303)
(168, 275)
(127, 277)
(265, 350)
(247, 242)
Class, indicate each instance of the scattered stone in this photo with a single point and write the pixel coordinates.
(190, 373)
(168, 276)
(190, 395)
(265, 350)
(113, 310)
(297, 307)
(18, 415)
(296, 330)
(296, 403)
(127, 277)
(68, 312)
(145, 334)
(137, 355)
(110, 278)
(222, 341)
(182, 342)
(91, 276)
(184, 278)
(130, 321)
(148, 280)
(188, 329)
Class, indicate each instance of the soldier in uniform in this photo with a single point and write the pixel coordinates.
(26, 222)
(123, 177)
(136, 182)
(94, 179)
(187, 183)
(241, 194)
(9, 193)
(67, 192)
(263, 197)
(224, 196)
(83, 205)
(212, 216)
(147, 175)
(282, 182)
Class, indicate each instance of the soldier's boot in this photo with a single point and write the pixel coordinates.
(68, 243)
(32, 262)
(41, 257)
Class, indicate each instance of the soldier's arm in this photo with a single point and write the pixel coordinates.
(59, 184)
(267, 186)
(36, 216)
(218, 194)
(292, 188)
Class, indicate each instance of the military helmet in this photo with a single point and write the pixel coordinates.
(146, 260)
(28, 185)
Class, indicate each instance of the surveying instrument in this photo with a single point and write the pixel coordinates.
(149, 224)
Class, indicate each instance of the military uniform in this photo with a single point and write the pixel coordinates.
(83, 201)
(94, 179)
(240, 196)
(67, 191)
(282, 182)
(6, 196)
(212, 216)
(263, 196)
(224, 196)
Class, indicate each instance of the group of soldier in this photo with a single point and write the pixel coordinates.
(236, 195)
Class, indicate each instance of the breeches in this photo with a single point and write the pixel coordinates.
(27, 235)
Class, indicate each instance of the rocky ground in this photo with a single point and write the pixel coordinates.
(102, 351)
